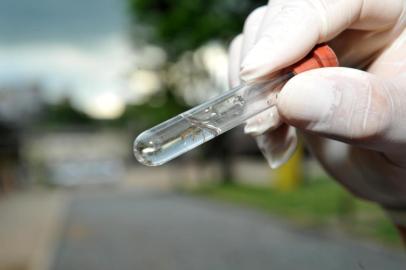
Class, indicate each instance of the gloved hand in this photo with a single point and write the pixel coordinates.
(354, 121)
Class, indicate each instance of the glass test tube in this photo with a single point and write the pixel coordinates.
(204, 122)
(200, 124)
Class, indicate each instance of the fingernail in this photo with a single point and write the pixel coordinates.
(309, 99)
(265, 121)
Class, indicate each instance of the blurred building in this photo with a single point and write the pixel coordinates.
(20, 105)
(72, 157)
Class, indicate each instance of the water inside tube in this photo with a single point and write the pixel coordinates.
(187, 130)
(161, 147)
(201, 124)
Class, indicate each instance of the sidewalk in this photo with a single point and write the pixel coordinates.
(166, 231)
(107, 229)
(30, 223)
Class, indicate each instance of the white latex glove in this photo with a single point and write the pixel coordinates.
(277, 141)
(354, 121)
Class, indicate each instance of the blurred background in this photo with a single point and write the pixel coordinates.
(80, 79)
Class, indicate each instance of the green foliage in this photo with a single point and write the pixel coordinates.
(64, 114)
(149, 114)
(180, 26)
(318, 203)
(184, 25)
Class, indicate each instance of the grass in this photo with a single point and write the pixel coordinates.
(320, 203)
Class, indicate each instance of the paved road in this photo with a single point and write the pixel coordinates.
(168, 231)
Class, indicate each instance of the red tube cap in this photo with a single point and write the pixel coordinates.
(321, 56)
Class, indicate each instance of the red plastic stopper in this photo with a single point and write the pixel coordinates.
(321, 56)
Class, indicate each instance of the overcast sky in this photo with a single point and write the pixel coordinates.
(74, 47)
(70, 21)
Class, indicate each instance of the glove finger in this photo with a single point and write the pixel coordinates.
(251, 29)
(288, 35)
(265, 121)
(346, 104)
(234, 59)
(278, 145)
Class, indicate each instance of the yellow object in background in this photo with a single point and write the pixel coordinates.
(290, 175)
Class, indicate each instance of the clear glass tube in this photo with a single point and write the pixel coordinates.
(202, 123)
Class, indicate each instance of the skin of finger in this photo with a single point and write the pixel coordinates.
(234, 59)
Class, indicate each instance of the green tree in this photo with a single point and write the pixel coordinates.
(148, 115)
(64, 113)
(181, 25)
(185, 25)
